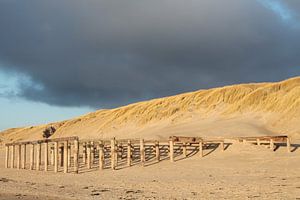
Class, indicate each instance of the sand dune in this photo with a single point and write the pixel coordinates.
(245, 109)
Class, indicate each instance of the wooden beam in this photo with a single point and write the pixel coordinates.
(142, 152)
(157, 152)
(128, 153)
(92, 152)
(52, 155)
(171, 152)
(46, 156)
(66, 156)
(271, 144)
(84, 152)
(31, 157)
(88, 160)
(38, 156)
(69, 155)
(55, 157)
(258, 141)
(76, 154)
(24, 157)
(12, 161)
(6, 156)
(222, 145)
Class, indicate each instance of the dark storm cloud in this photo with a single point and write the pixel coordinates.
(107, 53)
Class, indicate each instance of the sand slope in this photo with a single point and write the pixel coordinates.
(245, 109)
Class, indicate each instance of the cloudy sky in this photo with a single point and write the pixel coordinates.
(62, 58)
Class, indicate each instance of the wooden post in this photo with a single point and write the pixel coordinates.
(6, 156)
(288, 144)
(112, 153)
(271, 144)
(61, 155)
(38, 156)
(101, 156)
(244, 141)
(258, 141)
(55, 157)
(92, 150)
(40, 149)
(201, 149)
(84, 153)
(76, 154)
(19, 157)
(222, 146)
(171, 150)
(88, 155)
(65, 156)
(46, 156)
(12, 161)
(128, 153)
(69, 155)
(184, 149)
(157, 153)
(142, 151)
(52, 155)
(31, 156)
(24, 157)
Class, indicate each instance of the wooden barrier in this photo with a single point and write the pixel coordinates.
(64, 153)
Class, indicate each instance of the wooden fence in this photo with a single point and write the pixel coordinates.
(73, 155)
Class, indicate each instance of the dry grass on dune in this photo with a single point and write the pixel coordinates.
(260, 107)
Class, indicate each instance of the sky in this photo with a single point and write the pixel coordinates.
(63, 58)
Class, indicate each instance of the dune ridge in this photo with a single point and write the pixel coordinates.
(254, 108)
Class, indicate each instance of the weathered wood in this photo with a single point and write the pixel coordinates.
(12, 161)
(185, 139)
(157, 152)
(52, 155)
(46, 156)
(142, 151)
(84, 152)
(128, 153)
(31, 157)
(92, 152)
(222, 146)
(69, 155)
(201, 149)
(171, 151)
(65, 156)
(101, 155)
(19, 157)
(76, 154)
(88, 156)
(271, 144)
(61, 155)
(6, 156)
(55, 157)
(43, 141)
(184, 149)
(112, 153)
(288, 144)
(24, 157)
(38, 156)
(258, 141)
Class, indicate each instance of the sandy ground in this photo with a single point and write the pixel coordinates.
(241, 172)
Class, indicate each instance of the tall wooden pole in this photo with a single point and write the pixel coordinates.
(171, 153)
(288, 144)
(92, 152)
(46, 156)
(52, 155)
(55, 157)
(24, 157)
(88, 155)
(157, 153)
(12, 161)
(76, 154)
(19, 157)
(142, 151)
(258, 141)
(112, 153)
(101, 155)
(31, 157)
(65, 156)
(271, 144)
(128, 153)
(200, 149)
(184, 149)
(38, 156)
(69, 155)
(84, 153)
(6, 156)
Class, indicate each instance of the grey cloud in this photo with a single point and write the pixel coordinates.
(108, 53)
